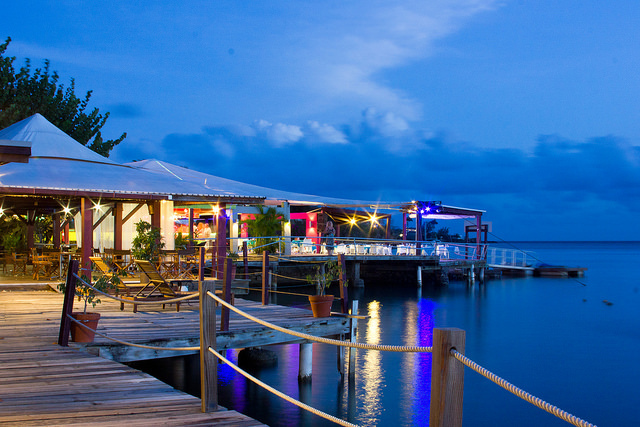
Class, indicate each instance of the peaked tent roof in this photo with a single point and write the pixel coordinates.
(60, 165)
(216, 184)
(47, 141)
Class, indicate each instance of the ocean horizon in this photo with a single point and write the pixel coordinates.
(570, 342)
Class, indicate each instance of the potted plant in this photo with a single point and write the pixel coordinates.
(264, 227)
(89, 296)
(147, 243)
(322, 278)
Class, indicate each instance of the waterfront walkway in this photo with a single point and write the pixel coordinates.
(44, 384)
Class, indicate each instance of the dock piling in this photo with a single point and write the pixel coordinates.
(305, 363)
(352, 337)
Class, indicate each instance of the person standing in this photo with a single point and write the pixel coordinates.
(329, 234)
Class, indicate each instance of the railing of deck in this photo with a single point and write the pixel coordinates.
(301, 245)
(448, 360)
(507, 257)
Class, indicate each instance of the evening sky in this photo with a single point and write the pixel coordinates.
(526, 109)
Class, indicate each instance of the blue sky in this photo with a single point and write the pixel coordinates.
(526, 109)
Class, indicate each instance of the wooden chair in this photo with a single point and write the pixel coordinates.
(42, 267)
(122, 288)
(158, 289)
(19, 263)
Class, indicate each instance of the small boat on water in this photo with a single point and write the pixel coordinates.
(546, 270)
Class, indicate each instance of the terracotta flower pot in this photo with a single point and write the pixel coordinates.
(80, 334)
(321, 305)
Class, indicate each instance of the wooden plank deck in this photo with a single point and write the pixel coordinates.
(44, 384)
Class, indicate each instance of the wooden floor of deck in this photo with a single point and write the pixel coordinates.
(44, 384)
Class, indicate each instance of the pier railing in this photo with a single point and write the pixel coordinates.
(447, 371)
(509, 258)
(301, 245)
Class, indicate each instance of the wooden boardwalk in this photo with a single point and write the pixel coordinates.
(44, 384)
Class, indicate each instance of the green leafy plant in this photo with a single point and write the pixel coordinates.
(90, 296)
(322, 277)
(27, 91)
(266, 224)
(147, 243)
(180, 242)
(14, 234)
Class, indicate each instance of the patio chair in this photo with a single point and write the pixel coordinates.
(158, 289)
(19, 263)
(42, 267)
(122, 288)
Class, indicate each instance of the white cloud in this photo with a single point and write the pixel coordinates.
(344, 64)
(325, 133)
(279, 134)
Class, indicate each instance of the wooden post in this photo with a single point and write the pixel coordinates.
(87, 236)
(221, 240)
(56, 230)
(418, 230)
(353, 327)
(226, 294)
(117, 226)
(245, 259)
(208, 361)
(447, 378)
(344, 294)
(201, 264)
(67, 306)
(265, 278)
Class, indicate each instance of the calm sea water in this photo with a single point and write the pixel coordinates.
(553, 337)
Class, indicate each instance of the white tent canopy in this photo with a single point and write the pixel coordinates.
(218, 184)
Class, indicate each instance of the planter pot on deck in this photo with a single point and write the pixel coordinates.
(321, 305)
(80, 334)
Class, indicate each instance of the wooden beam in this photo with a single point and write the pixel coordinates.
(132, 213)
(103, 217)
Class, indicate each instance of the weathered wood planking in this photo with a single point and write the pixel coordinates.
(44, 384)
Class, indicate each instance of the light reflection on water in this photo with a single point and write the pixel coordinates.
(415, 369)
(552, 337)
(388, 387)
(371, 378)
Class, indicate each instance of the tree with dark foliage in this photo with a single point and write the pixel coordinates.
(29, 91)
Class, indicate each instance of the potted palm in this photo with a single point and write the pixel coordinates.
(89, 296)
(323, 276)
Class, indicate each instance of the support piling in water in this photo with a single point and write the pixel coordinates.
(419, 276)
(351, 371)
(305, 366)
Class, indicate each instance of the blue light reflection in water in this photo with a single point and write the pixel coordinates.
(553, 337)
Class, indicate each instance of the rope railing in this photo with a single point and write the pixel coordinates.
(536, 401)
(280, 394)
(363, 346)
(167, 301)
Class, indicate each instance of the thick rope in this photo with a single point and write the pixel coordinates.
(521, 393)
(364, 346)
(151, 347)
(282, 395)
(289, 277)
(128, 301)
